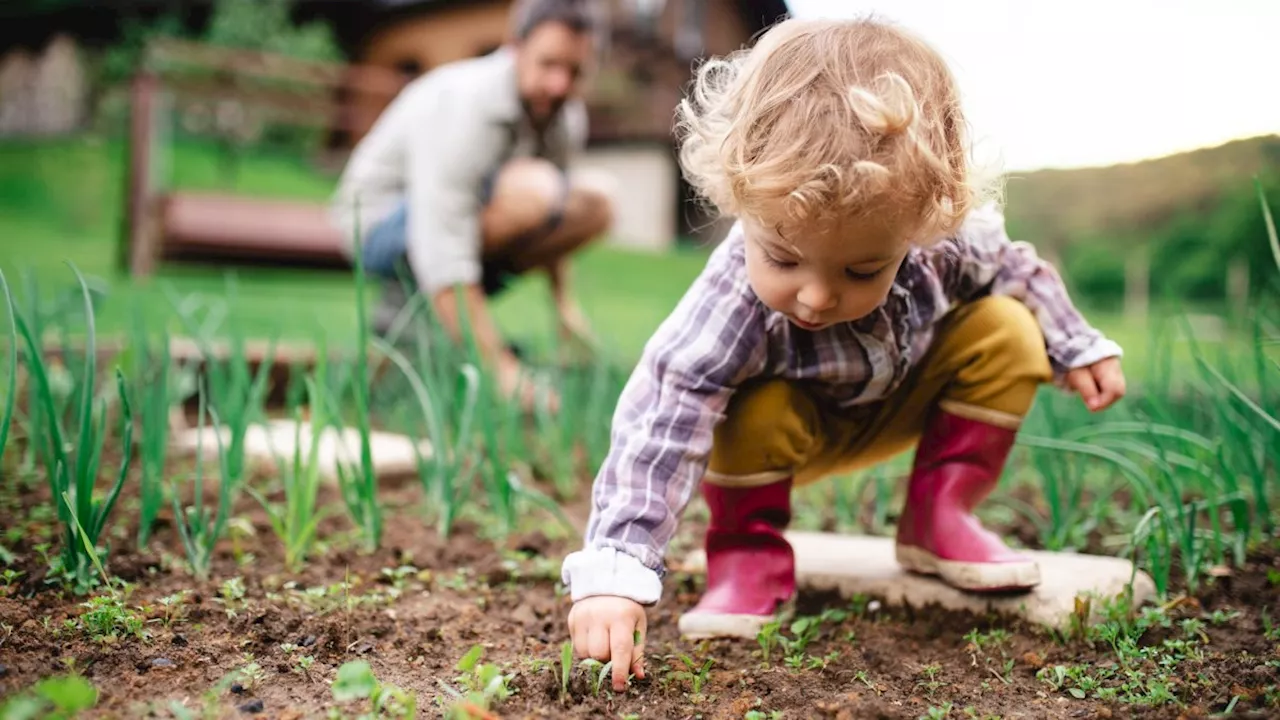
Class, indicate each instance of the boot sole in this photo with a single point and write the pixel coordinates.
(706, 625)
(974, 577)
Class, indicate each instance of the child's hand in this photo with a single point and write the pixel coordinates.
(1099, 384)
(609, 628)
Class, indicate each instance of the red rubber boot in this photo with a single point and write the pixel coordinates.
(957, 465)
(751, 570)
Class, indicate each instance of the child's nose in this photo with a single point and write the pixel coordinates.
(817, 297)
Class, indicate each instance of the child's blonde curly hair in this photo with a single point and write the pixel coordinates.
(827, 121)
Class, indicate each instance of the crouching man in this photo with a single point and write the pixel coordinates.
(463, 181)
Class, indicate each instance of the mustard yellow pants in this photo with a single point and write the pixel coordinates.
(986, 363)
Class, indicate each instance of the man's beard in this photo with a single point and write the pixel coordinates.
(542, 120)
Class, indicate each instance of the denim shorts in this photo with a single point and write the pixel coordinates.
(386, 246)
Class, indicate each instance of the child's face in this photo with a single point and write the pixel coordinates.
(823, 279)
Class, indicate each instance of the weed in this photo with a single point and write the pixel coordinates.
(938, 712)
(696, 675)
(106, 619)
(250, 674)
(597, 672)
(231, 595)
(55, 698)
(355, 681)
(174, 607)
(931, 684)
(483, 685)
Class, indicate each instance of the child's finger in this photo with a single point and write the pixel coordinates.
(598, 642)
(622, 643)
(637, 663)
(579, 637)
(1081, 380)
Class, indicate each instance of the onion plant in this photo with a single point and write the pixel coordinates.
(236, 391)
(72, 466)
(199, 526)
(11, 387)
(295, 522)
(360, 485)
(151, 382)
(448, 474)
(1199, 462)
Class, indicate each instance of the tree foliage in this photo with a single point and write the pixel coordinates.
(266, 25)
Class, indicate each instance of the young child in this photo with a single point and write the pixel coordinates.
(866, 301)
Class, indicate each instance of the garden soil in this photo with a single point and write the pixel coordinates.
(419, 604)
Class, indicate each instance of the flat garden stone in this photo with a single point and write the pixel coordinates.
(854, 564)
(273, 442)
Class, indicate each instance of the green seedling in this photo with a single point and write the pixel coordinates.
(768, 639)
(566, 667)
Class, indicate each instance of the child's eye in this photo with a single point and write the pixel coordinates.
(862, 276)
(778, 263)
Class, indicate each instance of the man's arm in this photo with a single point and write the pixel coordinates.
(447, 159)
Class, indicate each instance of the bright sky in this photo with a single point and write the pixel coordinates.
(1096, 82)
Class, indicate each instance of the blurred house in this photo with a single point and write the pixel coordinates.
(647, 60)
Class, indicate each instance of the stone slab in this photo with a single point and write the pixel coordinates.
(854, 564)
(393, 454)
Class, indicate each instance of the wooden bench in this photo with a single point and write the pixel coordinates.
(167, 225)
(229, 228)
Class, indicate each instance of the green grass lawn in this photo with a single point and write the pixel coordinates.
(62, 200)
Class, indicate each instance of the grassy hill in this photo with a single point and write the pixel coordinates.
(1056, 207)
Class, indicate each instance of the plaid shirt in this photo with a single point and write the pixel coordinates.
(720, 334)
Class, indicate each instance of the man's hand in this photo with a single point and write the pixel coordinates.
(514, 383)
(1100, 385)
(510, 375)
(575, 330)
(610, 629)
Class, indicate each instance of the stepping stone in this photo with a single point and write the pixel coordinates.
(393, 454)
(853, 564)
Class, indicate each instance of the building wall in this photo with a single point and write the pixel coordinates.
(642, 181)
(418, 44)
(656, 207)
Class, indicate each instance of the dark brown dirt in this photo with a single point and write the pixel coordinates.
(503, 595)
